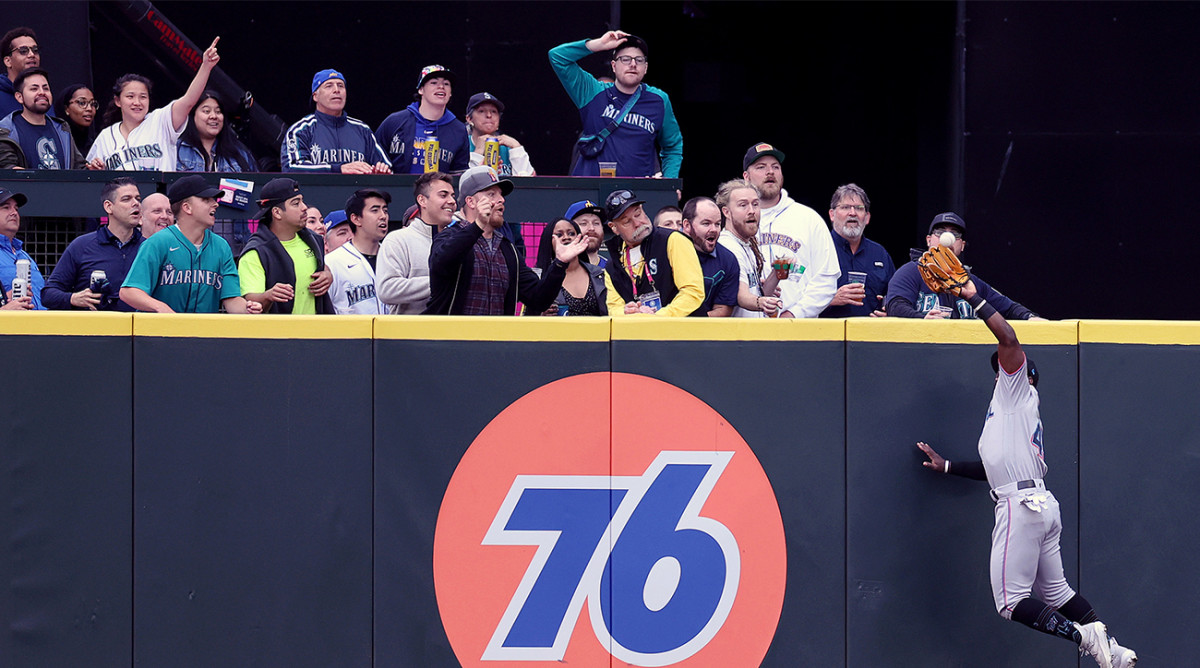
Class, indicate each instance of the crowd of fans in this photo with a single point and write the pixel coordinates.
(750, 250)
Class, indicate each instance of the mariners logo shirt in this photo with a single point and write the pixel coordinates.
(171, 269)
(150, 147)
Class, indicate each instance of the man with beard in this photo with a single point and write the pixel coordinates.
(475, 270)
(402, 278)
(702, 222)
(651, 269)
(156, 214)
(110, 249)
(866, 266)
(790, 228)
(29, 137)
(187, 268)
(353, 264)
(739, 203)
(589, 217)
(283, 264)
(19, 48)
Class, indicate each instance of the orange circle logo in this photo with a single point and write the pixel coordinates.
(609, 516)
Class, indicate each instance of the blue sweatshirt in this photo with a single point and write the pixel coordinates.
(323, 143)
(87, 253)
(12, 250)
(8, 103)
(648, 133)
(404, 133)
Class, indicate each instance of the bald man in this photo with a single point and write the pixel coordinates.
(156, 214)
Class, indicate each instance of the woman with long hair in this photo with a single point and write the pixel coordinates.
(77, 106)
(208, 144)
(583, 291)
(136, 138)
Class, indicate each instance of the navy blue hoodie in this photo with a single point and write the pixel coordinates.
(399, 132)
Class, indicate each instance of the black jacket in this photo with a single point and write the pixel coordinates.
(452, 263)
(654, 251)
(277, 264)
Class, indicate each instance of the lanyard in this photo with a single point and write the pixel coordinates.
(633, 277)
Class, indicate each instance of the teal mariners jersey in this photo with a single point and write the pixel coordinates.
(171, 269)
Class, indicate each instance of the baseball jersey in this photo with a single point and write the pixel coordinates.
(171, 269)
(1011, 442)
(353, 287)
(790, 228)
(748, 266)
(150, 147)
(254, 278)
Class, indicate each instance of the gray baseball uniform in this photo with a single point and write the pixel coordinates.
(1025, 550)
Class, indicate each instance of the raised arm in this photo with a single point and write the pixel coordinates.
(1011, 355)
(183, 106)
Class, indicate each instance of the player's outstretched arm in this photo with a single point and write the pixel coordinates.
(1011, 355)
(967, 469)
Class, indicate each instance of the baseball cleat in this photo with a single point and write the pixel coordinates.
(1094, 641)
(1122, 657)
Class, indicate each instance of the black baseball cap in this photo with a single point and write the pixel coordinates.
(948, 218)
(275, 192)
(618, 202)
(759, 150)
(6, 194)
(191, 186)
(631, 41)
(1030, 367)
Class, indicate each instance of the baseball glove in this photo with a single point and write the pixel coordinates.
(941, 270)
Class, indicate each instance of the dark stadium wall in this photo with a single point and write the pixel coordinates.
(218, 490)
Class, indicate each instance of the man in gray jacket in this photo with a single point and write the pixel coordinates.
(402, 269)
(32, 139)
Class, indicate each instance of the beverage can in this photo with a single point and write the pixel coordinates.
(431, 154)
(99, 281)
(491, 153)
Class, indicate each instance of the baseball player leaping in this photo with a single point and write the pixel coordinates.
(1026, 570)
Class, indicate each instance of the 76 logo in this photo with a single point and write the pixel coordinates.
(659, 580)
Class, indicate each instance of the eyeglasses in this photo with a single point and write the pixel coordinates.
(625, 60)
(84, 103)
(846, 208)
(25, 50)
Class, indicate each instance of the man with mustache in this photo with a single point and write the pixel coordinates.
(32, 139)
(282, 266)
(850, 213)
(110, 249)
(651, 269)
(589, 217)
(739, 203)
(475, 270)
(790, 228)
(702, 222)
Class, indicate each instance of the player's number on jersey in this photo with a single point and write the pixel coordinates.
(658, 578)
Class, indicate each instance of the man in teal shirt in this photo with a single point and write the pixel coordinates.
(186, 268)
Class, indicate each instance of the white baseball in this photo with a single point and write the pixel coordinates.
(947, 239)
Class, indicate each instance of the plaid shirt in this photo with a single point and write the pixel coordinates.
(489, 280)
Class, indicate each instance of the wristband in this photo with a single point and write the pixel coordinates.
(946, 466)
(982, 309)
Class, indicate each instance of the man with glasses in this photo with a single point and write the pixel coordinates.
(790, 229)
(651, 270)
(909, 297)
(31, 138)
(20, 49)
(629, 128)
(866, 266)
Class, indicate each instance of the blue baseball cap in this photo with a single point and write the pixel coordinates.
(325, 75)
(334, 219)
(584, 206)
(948, 218)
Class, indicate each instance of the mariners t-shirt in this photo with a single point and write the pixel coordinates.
(152, 146)
(304, 261)
(170, 268)
(39, 143)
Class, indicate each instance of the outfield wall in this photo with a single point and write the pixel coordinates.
(240, 490)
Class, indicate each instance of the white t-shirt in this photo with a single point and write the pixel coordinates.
(749, 269)
(151, 147)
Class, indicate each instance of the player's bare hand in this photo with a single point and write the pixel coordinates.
(850, 293)
(936, 462)
(280, 292)
(85, 298)
(211, 57)
(608, 41)
(321, 281)
(382, 168)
